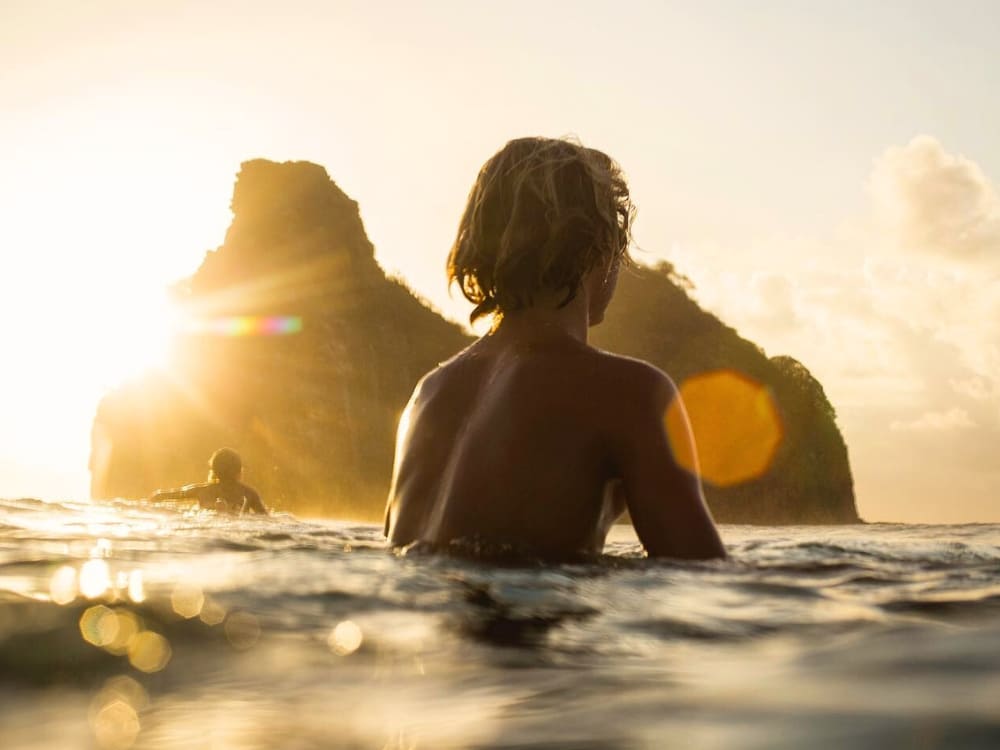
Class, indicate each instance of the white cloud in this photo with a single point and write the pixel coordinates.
(937, 421)
(936, 202)
(773, 299)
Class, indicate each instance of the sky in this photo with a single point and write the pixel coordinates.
(824, 172)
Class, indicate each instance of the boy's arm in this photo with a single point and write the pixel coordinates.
(664, 500)
(409, 504)
(402, 439)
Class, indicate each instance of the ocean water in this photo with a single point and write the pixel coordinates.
(125, 625)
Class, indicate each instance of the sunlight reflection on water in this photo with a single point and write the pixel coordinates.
(95, 578)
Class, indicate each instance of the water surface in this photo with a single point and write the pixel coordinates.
(126, 625)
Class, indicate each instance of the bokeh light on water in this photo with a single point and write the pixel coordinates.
(120, 631)
(111, 629)
(114, 713)
(95, 578)
(136, 588)
(212, 613)
(736, 427)
(345, 638)
(127, 627)
(149, 651)
(63, 587)
(242, 630)
(99, 625)
(187, 600)
(95, 581)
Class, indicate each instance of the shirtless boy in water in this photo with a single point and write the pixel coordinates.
(530, 437)
(223, 492)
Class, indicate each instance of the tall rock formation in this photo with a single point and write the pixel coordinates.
(314, 413)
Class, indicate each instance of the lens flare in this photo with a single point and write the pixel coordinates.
(735, 423)
(247, 325)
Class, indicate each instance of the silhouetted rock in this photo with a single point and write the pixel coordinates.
(314, 414)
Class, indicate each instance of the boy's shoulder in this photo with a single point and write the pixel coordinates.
(634, 375)
(438, 377)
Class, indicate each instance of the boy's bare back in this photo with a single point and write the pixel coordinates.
(541, 445)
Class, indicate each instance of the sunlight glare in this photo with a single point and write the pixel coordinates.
(132, 335)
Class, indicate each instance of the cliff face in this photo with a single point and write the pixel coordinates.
(314, 413)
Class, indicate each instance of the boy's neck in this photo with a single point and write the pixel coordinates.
(545, 319)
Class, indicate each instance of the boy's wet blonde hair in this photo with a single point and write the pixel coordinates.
(541, 215)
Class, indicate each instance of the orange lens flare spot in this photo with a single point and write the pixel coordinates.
(735, 423)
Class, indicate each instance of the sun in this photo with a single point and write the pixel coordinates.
(130, 335)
